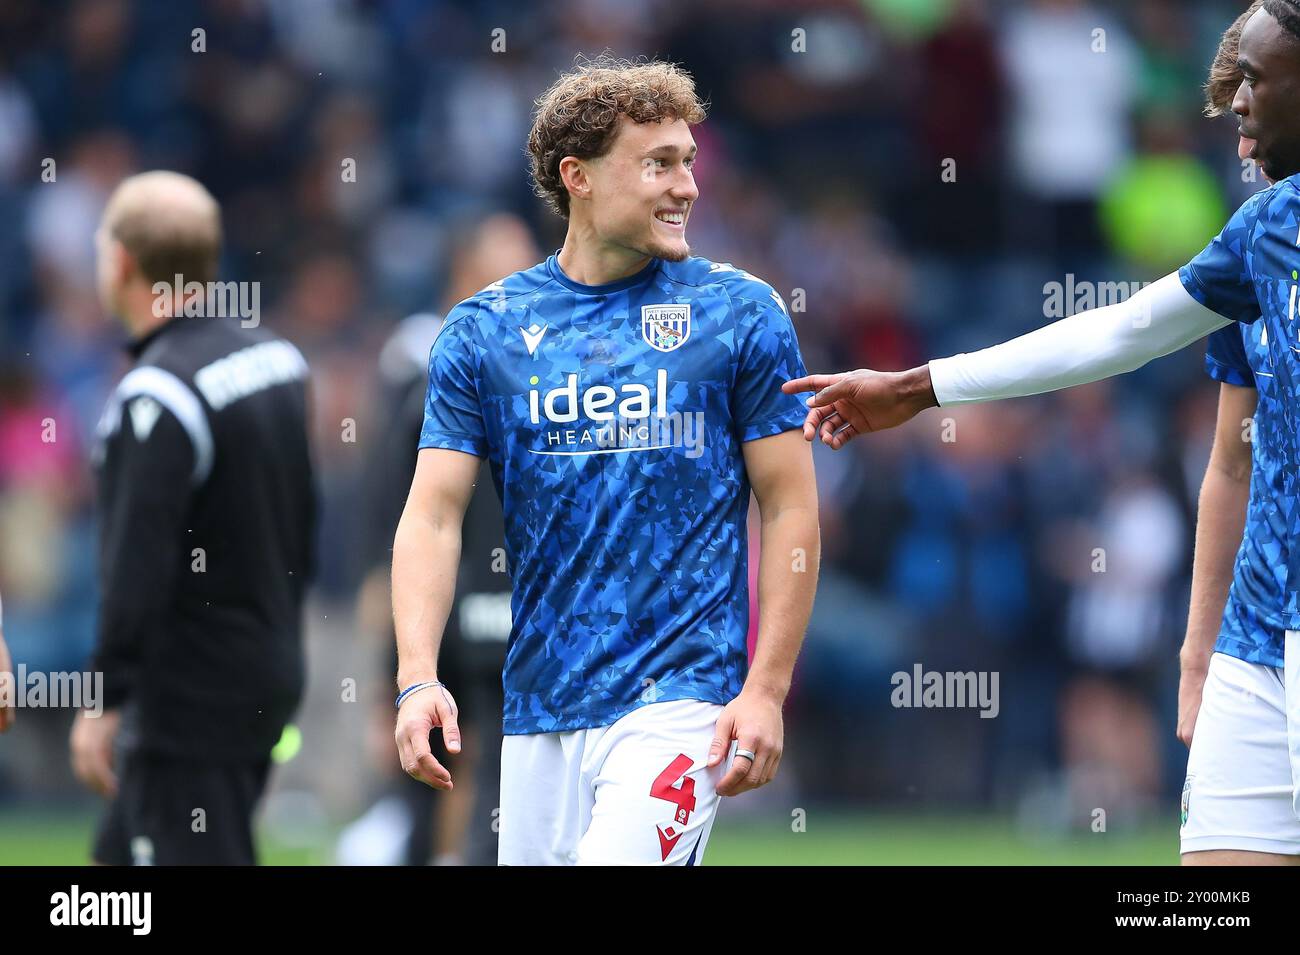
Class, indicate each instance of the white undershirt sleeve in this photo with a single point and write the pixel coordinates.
(1088, 346)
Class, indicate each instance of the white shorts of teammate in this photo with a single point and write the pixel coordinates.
(636, 792)
(1244, 764)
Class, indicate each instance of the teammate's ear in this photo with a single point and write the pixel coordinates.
(574, 175)
(123, 262)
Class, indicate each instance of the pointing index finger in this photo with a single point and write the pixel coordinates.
(808, 383)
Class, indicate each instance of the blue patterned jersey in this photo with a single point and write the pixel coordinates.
(613, 417)
(1251, 269)
(1252, 627)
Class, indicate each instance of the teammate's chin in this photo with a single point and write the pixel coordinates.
(1277, 160)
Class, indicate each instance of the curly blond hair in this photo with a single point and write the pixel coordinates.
(578, 115)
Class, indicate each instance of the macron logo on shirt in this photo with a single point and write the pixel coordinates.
(533, 336)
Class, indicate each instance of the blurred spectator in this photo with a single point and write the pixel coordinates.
(350, 144)
(1072, 72)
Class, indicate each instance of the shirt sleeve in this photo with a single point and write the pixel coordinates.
(768, 357)
(1086, 347)
(453, 415)
(1220, 276)
(143, 527)
(1225, 357)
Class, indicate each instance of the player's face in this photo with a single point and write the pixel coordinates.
(644, 187)
(1268, 100)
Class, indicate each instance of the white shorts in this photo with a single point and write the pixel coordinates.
(1239, 788)
(1291, 679)
(635, 792)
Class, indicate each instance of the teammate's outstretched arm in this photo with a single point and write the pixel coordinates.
(1086, 347)
(781, 472)
(426, 554)
(1220, 520)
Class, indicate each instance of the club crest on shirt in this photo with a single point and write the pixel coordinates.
(666, 327)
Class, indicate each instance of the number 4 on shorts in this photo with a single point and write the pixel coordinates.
(683, 796)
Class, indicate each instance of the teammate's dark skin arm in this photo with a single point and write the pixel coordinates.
(858, 402)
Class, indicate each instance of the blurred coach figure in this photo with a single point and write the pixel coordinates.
(206, 520)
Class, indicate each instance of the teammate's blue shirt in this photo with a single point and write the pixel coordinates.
(1252, 628)
(1249, 270)
(613, 417)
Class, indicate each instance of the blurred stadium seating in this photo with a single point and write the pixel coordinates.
(820, 170)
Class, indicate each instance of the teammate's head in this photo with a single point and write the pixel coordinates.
(611, 150)
(1268, 98)
(157, 225)
(487, 249)
(1225, 74)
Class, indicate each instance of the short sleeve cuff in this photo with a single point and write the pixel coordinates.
(1193, 287)
(1218, 371)
(453, 442)
(1245, 313)
(786, 421)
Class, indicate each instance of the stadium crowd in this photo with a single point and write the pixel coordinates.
(914, 178)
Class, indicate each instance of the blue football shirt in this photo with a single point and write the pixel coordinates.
(1252, 628)
(1251, 269)
(613, 419)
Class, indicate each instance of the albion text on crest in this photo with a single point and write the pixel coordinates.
(666, 327)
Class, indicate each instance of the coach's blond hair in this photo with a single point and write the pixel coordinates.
(169, 223)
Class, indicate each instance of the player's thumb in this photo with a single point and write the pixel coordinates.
(722, 734)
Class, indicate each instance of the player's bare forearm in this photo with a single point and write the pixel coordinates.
(1219, 524)
(1220, 520)
(426, 555)
(787, 584)
(781, 472)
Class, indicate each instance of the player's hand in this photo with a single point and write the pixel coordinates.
(855, 402)
(754, 720)
(8, 688)
(1191, 682)
(420, 713)
(91, 744)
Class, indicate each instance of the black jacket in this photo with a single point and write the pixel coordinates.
(208, 508)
